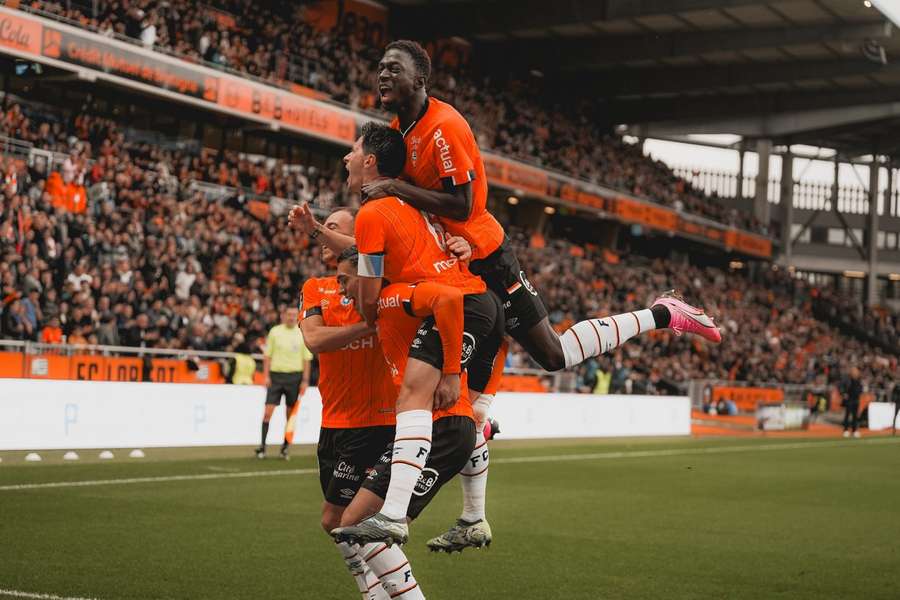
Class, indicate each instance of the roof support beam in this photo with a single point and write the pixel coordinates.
(618, 49)
(435, 20)
(670, 80)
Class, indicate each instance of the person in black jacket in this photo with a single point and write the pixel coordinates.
(895, 397)
(852, 393)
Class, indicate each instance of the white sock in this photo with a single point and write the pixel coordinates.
(474, 480)
(367, 583)
(480, 408)
(597, 336)
(392, 567)
(412, 443)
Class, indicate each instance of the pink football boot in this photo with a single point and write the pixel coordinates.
(688, 319)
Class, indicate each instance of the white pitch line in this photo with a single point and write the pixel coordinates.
(510, 460)
(93, 482)
(18, 594)
(689, 451)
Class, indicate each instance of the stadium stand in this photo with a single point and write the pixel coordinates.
(505, 115)
(151, 261)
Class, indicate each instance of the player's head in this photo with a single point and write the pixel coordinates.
(402, 73)
(340, 220)
(379, 152)
(289, 315)
(347, 268)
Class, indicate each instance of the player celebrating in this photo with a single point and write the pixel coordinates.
(397, 244)
(358, 399)
(400, 315)
(445, 176)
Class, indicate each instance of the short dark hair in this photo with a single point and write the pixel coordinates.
(417, 53)
(351, 254)
(388, 147)
(348, 209)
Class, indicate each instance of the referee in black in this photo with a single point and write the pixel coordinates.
(286, 368)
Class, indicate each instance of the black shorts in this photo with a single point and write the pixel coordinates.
(452, 443)
(287, 384)
(482, 336)
(345, 456)
(522, 305)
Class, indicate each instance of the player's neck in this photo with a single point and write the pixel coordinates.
(413, 111)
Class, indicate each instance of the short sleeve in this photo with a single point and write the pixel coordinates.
(369, 232)
(454, 151)
(310, 299)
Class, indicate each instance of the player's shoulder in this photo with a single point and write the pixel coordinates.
(319, 284)
(444, 114)
(379, 206)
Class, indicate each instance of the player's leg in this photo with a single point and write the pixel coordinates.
(273, 399)
(291, 393)
(412, 443)
(388, 564)
(344, 456)
(528, 323)
(485, 369)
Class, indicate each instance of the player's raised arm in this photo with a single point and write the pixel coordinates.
(302, 219)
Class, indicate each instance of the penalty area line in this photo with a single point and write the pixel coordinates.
(510, 460)
(20, 594)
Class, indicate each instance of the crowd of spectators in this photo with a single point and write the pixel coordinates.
(155, 262)
(277, 44)
(768, 317)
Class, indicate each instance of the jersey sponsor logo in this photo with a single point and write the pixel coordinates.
(445, 265)
(366, 343)
(443, 147)
(468, 348)
(389, 302)
(427, 480)
(345, 470)
(527, 283)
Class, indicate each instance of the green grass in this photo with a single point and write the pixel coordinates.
(816, 521)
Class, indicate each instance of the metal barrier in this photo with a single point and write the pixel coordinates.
(557, 382)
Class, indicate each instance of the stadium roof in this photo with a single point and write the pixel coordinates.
(819, 72)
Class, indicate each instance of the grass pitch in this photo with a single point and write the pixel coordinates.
(661, 519)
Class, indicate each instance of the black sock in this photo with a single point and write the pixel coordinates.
(265, 433)
(661, 316)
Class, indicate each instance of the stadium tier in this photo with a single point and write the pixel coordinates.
(280, 46)
(434, 230)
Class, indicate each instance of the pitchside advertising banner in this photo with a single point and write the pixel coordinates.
(37, 414)
(63, 46)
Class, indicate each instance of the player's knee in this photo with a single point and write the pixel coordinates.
(551, 358)
(330, 522)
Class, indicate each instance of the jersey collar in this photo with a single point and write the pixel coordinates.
(424, 110)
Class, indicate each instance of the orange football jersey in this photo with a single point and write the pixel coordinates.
(441, 145)
(396, 241)
(355, 383)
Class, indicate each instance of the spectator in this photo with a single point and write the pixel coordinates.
(854, 390)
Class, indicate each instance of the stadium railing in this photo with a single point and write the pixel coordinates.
(34, 360)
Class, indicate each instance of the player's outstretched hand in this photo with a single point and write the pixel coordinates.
(301, 218)
(380, 188)
(447, 392)
(460, 248)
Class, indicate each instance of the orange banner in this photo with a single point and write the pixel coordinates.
(748, 398)
(288, 108)
(90, 367)
(515, 175)
(20, 34)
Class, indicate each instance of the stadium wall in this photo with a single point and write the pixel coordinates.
(36, 414)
